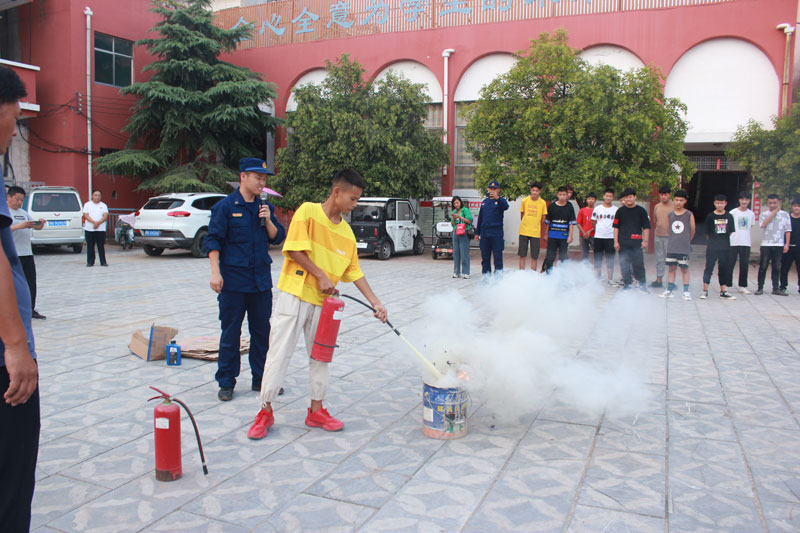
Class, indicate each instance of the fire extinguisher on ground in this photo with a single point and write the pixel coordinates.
(167, 430)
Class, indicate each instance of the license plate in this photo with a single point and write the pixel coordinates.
(361, 245)
(56, 222)
(152, 233)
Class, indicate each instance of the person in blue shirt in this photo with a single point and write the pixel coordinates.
(239, 234)
(489, 230)
(19, 375)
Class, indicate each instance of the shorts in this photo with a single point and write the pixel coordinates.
(523, 246)
(681, 260)
(604, 246)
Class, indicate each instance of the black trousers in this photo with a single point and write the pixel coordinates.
(770, 254)
(556, 248)
(742, 255)
(724, 273)
(631, 258)
(29, 268)
(19, 447)
(95, 238)
(789, 258)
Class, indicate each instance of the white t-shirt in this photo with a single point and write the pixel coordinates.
(743, 222)
(94, 210)
(605, 221)
(22, 237)
(775, 230)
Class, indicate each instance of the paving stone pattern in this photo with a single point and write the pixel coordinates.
(718, 450)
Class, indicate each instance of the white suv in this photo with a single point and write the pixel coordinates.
(175, 220)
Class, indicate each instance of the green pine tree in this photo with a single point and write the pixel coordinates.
(556, 119)
(374, 127)
(197, 115)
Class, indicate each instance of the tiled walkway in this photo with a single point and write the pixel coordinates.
(718, 447)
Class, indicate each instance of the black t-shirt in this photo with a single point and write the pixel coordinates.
(631, 222)
(560, 219)
(718, 229)
(794, 240)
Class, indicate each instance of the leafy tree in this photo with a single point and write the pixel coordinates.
(772, 156)
(374, 127)
(196, 114)
(556, 119)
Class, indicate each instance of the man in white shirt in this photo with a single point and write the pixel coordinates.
(95, 214)
(743, 221)
(21, 232)
(777, 231)
(603, 219)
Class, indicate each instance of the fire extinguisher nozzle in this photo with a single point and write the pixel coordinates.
(205, 469)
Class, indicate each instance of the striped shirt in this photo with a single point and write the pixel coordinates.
(332, 247)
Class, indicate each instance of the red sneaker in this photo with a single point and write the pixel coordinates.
(321, 419)
(264, 420)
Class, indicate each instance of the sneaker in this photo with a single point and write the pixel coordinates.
(666, 294)
(759, 292)
(456, 276)
(643, 288)
(703, 295)
(744, 290)
(225, 394)
(619, 283)
(35, 314)
(465, 276)
(263, 421)
(687, 297)
(656, 285)
(321, 419)
(725, 295)
(780, 292)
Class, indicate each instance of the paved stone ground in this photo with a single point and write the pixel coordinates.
(718, 448)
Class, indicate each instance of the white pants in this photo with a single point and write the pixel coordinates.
(290, 316)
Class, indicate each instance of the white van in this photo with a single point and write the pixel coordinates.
(62, 209)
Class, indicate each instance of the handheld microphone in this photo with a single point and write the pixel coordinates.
(263, 199)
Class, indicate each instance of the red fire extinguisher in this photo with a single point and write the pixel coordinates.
(167, 431)
(330, 318)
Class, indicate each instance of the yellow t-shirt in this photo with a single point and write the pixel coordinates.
(332, 247)
(531, 224)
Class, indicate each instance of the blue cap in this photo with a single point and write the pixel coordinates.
(254, 164)
(494, 185)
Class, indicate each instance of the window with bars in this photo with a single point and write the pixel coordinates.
(113, 60)
(464, 163)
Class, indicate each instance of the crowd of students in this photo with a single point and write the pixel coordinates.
(607, 230)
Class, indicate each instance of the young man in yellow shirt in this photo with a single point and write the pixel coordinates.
(319, 250)
(532, 211)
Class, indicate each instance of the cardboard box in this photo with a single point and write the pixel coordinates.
(153, 348)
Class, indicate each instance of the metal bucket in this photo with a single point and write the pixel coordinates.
(444, 412)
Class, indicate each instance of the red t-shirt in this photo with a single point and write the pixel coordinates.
(585, 220)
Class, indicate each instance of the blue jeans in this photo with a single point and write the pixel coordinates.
(460, 254)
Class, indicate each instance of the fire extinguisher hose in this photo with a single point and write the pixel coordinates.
(167, 397)
(428, 364)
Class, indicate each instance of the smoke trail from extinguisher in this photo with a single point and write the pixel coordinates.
(530, 338)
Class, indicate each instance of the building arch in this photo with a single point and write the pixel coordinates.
(416, 72)
(724, 82)
(314, 76)
(480, 72)
(613, 55)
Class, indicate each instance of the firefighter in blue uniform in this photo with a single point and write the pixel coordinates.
(489, 230)
(237, 245)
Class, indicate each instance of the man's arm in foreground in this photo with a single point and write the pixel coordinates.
(22, 370)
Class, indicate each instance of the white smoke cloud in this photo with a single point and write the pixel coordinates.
(528, 336)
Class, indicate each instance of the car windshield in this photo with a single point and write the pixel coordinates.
(56, 201)
(163, 203)
(367, 212)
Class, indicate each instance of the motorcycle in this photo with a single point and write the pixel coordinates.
(124, 230)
